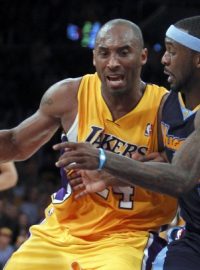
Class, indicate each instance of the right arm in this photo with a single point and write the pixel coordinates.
(58, 104)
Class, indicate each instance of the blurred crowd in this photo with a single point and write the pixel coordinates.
(23, 205)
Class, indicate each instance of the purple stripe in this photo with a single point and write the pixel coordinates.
(64, 180)
(60, 194)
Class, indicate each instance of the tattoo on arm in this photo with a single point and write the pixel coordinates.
(159, 177)
(46, 100)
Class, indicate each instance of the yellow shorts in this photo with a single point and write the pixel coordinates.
(51, 247)
(121, 251)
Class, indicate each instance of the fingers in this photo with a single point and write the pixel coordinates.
(156, 156)
(69, 161)
(80, 194)
(77, 156)
(72, 146)
(79, 187)
(73, 164)
(137, 156)
(77, 160)
(76, 182)
(85, 182)
(65, 145)
(147, 158)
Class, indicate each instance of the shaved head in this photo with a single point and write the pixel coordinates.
(126, 24)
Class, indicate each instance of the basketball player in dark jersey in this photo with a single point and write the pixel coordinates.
(180, 120)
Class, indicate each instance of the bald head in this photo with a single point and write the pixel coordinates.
(129, 30)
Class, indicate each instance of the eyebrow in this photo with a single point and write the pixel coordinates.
(119, 48)
(169, 41)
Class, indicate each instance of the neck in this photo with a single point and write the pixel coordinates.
(120, 105)
(191, 99)
(191, 91)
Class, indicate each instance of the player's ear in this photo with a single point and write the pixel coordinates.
(94, 62)
(197, 60)
(144, 56)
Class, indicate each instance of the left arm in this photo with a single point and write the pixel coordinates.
(8, 175)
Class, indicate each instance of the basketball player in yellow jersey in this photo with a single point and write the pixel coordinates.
(114, 109)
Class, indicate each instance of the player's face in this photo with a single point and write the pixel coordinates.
(118, 59)
(178, 65)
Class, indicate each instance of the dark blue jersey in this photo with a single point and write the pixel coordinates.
(177, 125)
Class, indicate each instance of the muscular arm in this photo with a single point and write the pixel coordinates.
(57, 105)
(8, 175)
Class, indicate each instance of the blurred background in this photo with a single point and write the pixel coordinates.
(42, 42)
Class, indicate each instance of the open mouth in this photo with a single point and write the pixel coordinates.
(115, 81)
(170, 76)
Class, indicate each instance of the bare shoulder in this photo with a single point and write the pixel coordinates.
(62, 96)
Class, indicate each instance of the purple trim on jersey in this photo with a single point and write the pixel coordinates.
(60, 194)
(157, 245)
(64, 180)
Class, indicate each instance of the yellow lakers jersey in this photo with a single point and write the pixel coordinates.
(116, 209)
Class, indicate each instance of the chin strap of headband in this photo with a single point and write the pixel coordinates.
(183, 38)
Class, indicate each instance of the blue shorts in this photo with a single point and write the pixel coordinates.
(177, 256)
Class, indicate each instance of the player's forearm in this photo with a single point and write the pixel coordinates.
(172, 179)
(8, 146)
(158, 177)
(17, 147)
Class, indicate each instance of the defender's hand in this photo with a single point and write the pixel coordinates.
(77, 156)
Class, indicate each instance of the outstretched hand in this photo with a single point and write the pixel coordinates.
(77, 156)
(85, 181)
(84, 159)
